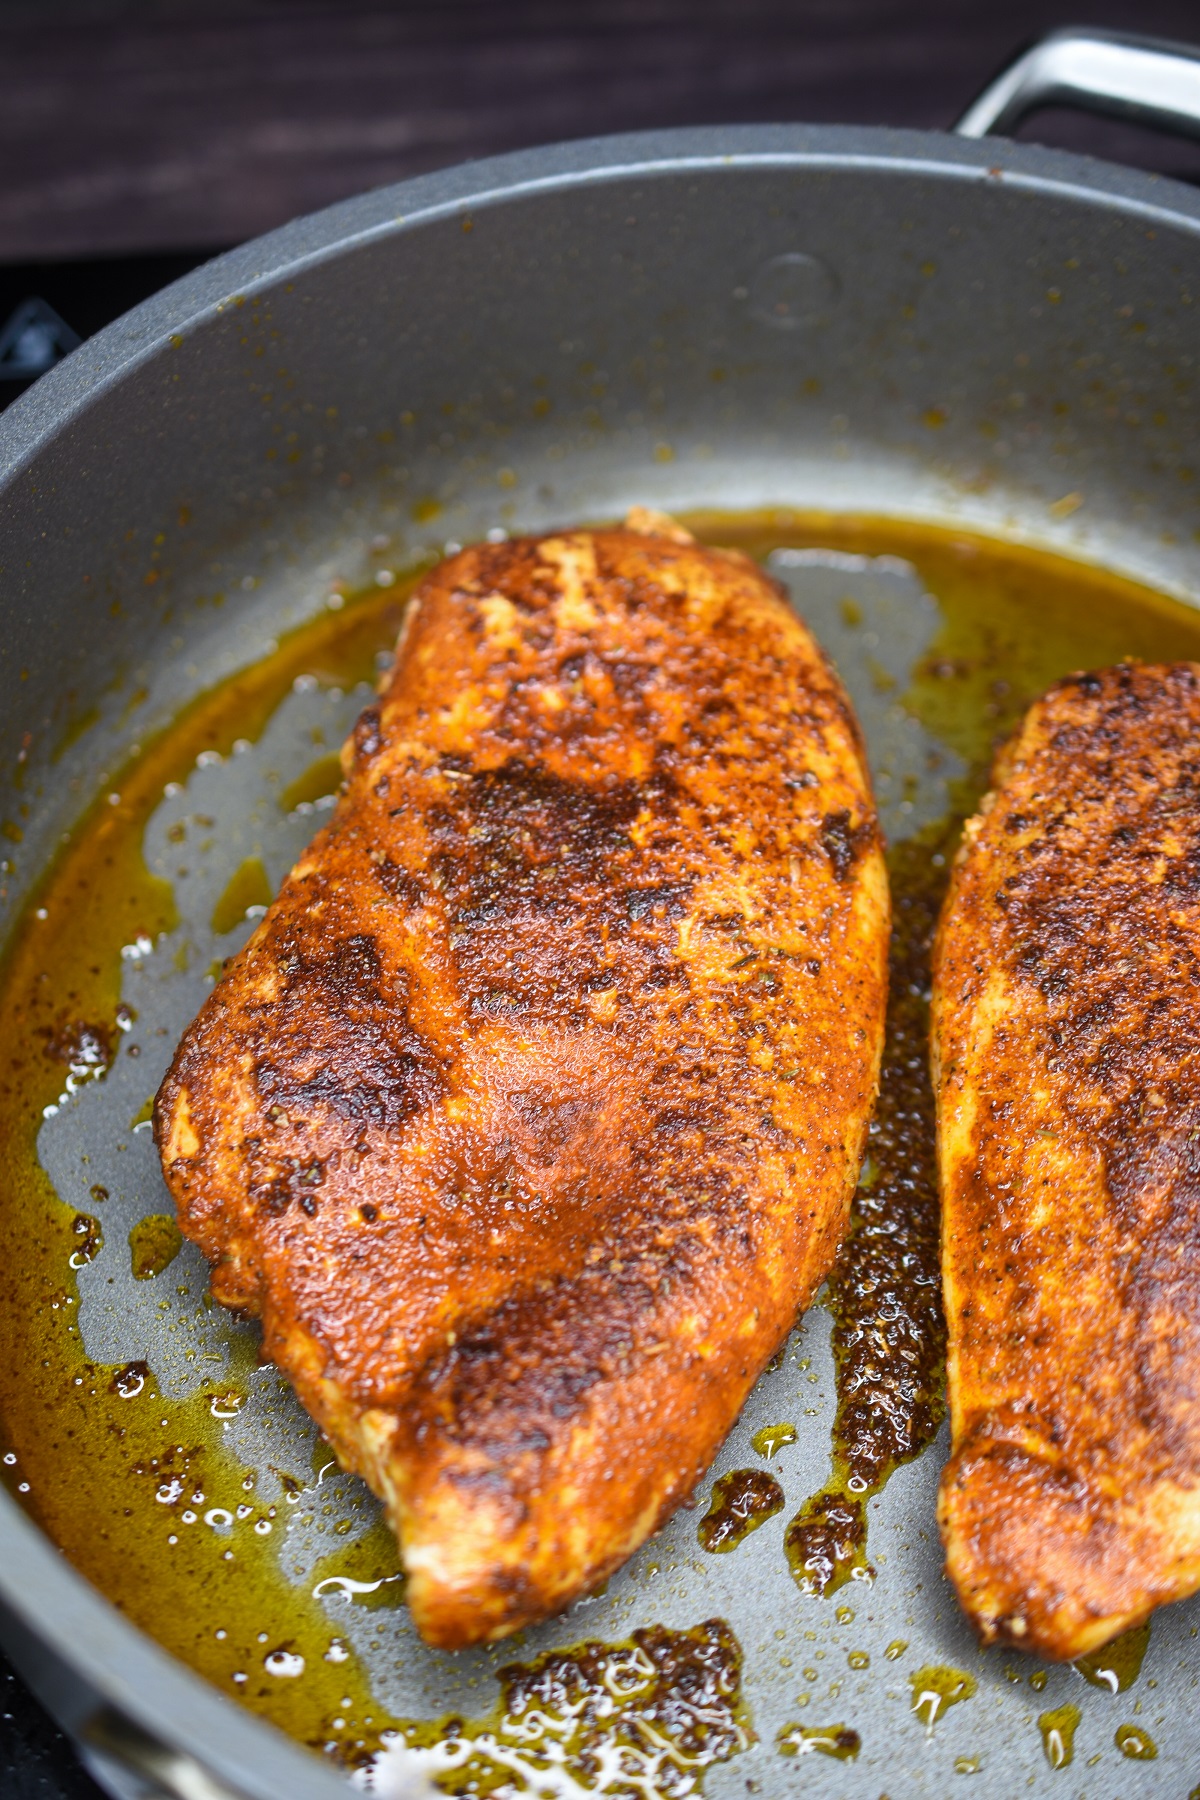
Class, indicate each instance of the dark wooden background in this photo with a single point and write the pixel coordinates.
(136, 137)
(173, 124)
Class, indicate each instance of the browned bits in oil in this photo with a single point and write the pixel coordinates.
(685, 1685)
(889, 1337)
(826, 1540)
(129, 1380)
(173, 1474)
(88, 1240)
(825, 1740)
(86, 1050)
(889, 1334)
(663, 1707)
(154, 1243)
(741, 1502)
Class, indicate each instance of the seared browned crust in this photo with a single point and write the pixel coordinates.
(530, 1113)
(1067, 1030)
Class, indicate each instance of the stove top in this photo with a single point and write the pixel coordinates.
(47, 308)
(36, 1760)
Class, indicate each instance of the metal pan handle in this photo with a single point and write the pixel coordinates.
(1110, 72)
(117, 1748)
(159, 1773)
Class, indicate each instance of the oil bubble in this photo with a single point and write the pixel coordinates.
(285, 1664)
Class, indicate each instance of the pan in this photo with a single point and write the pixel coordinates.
(946, 386)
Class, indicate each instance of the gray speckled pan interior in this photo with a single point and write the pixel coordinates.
(818, 318)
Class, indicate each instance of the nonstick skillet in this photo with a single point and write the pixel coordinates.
(983, 335)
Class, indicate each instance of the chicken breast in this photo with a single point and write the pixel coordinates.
(1066, 1022)
(530, 1113)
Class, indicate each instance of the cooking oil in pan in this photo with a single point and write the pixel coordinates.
(1119, 1664)
(742, 1500)
(180, 1475)
(646, 1717)
(885, 1291)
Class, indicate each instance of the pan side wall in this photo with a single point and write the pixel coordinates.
(945, 344)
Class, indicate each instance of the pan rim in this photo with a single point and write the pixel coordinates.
(32, 421)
